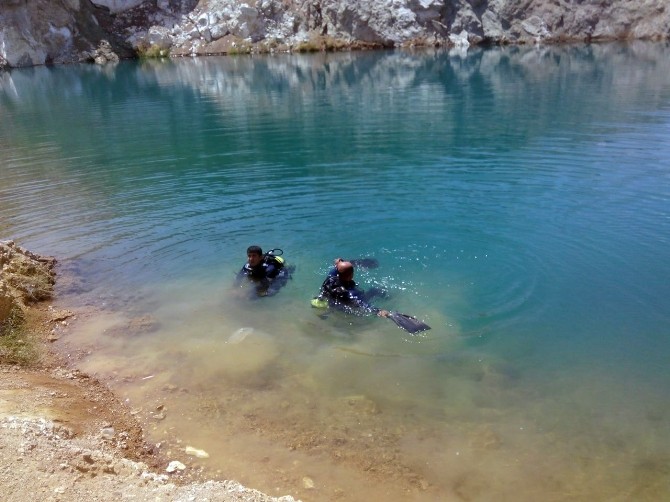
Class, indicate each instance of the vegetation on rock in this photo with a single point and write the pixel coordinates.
(25, 278)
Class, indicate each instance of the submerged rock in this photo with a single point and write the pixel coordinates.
(360, 404)
(240, 335)
(249, 355)
(195, 452)
(137, 326)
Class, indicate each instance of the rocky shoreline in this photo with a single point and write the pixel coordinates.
(63, 434)
(40, 32)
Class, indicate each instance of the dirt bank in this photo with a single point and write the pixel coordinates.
(63, 434)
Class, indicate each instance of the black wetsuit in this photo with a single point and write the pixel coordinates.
(269, 276)
(345, 295)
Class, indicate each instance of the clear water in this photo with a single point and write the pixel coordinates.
(516, 199)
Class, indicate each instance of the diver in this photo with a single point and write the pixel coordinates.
(340, 291)
(267, 272)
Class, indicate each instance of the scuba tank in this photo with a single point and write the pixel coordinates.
(274, 257)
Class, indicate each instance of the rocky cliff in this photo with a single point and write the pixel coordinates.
(35, 32)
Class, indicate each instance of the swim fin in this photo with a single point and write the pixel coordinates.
(408, 323)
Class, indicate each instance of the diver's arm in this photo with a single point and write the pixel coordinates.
(271, 271)
(324, 291)
(240, 276)
(274, 284)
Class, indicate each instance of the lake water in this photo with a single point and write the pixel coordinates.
(517, 200)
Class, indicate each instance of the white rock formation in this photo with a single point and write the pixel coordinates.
(58, 31)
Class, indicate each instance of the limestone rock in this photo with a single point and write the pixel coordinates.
(104, 54)
(42, 32)
(395, 23)
(175, 466)
(30, 277)
(59, 31)
(195, 452)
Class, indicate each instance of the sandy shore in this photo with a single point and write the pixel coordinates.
(65, 435)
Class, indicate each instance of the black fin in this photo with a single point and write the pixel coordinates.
(408, 323)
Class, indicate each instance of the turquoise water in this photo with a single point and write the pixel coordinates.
(517, 200)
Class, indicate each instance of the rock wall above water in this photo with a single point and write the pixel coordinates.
(35, 32)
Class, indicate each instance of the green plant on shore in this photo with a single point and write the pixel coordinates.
(335, 44)
(309, 46)
(240, 48)
(31, 282)
(145, 50)
(17, 346)
(322, 44)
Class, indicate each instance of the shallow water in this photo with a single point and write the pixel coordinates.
(517, 200)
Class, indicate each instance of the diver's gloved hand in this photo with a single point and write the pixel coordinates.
(319, 303)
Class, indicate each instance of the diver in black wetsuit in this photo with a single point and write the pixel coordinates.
(339, 290)
(267, 271)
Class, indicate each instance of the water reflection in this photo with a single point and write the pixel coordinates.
(507, 91)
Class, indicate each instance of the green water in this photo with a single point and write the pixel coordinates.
(517, 200)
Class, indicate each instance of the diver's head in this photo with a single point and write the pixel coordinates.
(345, 270)
(254, 255)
